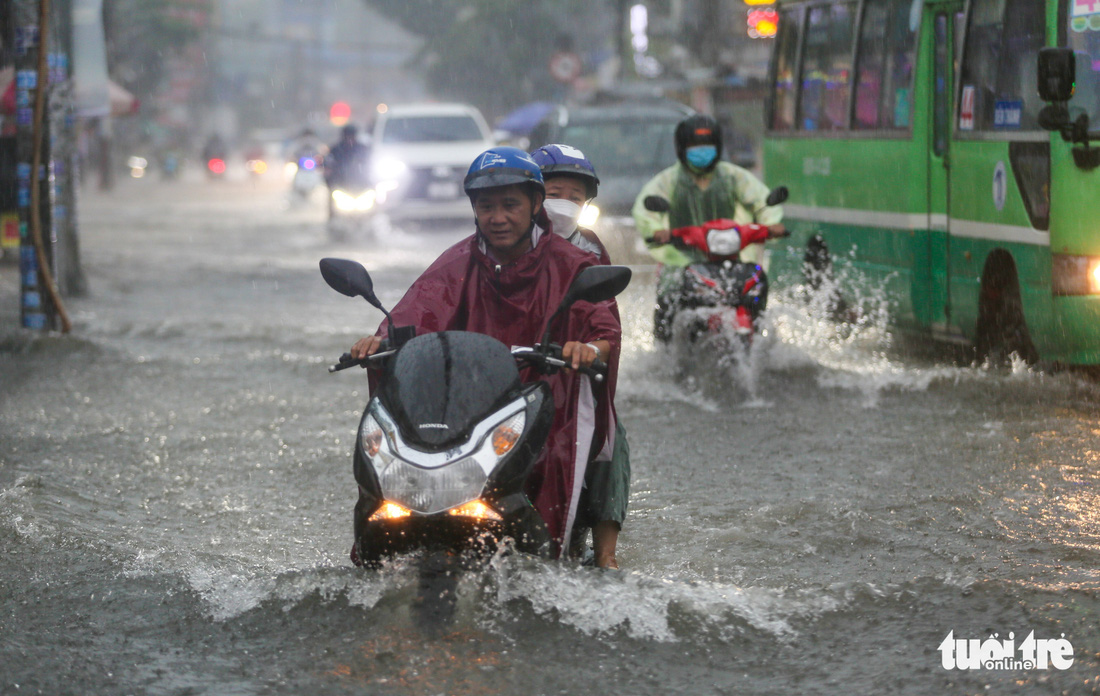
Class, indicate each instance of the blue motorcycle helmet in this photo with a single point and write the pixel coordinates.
(503, 166)
(566, 160)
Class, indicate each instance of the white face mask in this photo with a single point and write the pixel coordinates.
(563, 215)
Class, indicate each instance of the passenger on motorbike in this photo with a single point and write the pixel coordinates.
(505, 281)
(700, 187)
(571, 182)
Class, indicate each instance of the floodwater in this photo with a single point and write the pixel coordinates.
(176, 494)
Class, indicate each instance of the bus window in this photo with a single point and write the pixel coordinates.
(786, 66)
(884, 77)
(1083, 33)
(999, 75)
(826, 68)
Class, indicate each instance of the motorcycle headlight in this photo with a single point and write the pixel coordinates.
(426, 484)
(429, 491)
(589, 214)
(724, 242)
(342, 200)
(346, 202)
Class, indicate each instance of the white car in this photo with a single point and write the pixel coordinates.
(420, 156)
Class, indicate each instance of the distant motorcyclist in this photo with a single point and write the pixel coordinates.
(700, 187)
(571, 183)
(346, 163)
(305, 156)
(214, 154)
(305, 144)
(214, 148)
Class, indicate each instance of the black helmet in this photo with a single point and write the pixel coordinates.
(698, 129)
(349, 131)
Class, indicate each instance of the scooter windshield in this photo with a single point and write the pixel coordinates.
(440, 385)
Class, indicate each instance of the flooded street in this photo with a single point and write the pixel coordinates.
(176, 494)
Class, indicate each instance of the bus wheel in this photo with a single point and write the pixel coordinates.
(1001, 329)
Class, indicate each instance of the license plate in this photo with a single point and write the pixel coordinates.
(443, 189)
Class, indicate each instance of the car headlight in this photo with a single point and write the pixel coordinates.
(388, 168)
(1075, 275)
(589, 214)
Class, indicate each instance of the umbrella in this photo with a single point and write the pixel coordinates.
(523, 119)
(123, 103)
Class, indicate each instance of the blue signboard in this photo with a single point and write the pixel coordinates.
(26, 38)
(1007, 114)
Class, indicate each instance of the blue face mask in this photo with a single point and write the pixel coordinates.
(701, 156)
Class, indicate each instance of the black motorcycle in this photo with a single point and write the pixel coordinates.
(451, 434)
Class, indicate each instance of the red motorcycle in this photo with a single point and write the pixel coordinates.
(736, 290)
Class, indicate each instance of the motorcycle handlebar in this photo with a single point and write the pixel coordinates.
(679, 243)
(347, 361)
(674, 241)
(597, 370)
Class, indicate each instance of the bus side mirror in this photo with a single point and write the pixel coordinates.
(1057, 74)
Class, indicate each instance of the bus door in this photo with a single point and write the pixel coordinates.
(947, 22)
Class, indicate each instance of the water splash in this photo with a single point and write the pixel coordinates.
(645, 607)
(839, 323)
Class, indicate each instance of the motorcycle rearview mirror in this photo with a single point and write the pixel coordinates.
(777, 196)
(656, 204)
(596, 284)
(350, 278)
(593, 284)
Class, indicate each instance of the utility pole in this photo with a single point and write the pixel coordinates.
(41, 306)
(71, 280)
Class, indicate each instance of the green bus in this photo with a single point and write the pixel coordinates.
(915, 142)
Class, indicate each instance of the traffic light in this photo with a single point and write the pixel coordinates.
(762, 23)
(339, 113)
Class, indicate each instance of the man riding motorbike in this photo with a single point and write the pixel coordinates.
(346, 163)
(700, 187)
(505, 281)
(571, 182)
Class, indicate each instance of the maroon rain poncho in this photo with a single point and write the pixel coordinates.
(467, 290)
